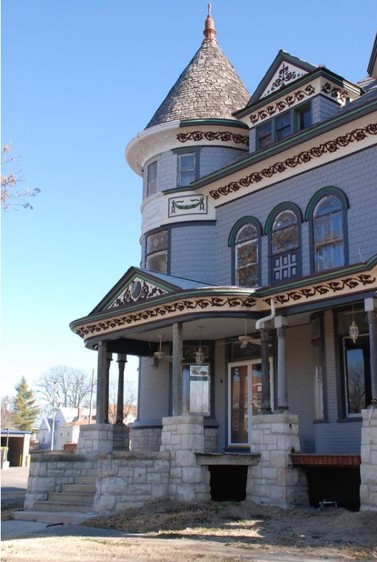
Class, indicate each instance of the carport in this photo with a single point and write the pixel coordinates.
(15, 447)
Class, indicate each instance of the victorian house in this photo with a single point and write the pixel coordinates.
(254, 311)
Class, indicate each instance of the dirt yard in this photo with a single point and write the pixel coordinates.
(222, 532)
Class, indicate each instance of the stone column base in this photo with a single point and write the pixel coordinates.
(368, 467)
(182, 437)
(95, 439)
(273, 481)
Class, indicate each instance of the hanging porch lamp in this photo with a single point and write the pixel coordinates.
(353, 329)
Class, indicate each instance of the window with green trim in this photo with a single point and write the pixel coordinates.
(284, 246)
(157, 251)
(186, 169)
(284, 125)
(328, 233)
(246, 256)
(152, 178)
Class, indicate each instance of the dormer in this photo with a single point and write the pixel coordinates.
(293, 96)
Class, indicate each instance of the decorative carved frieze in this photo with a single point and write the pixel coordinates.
(299, 159)
(333, 91)
(137, 290)
(330, 288)
(282, 105)
(188, 205)
(183, 306)
(222, 136)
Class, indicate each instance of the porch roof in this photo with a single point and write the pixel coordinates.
(143, 303)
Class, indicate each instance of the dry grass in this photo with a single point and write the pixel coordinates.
(337, 531)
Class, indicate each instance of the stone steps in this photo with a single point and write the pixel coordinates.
(54, 518)
(57, 506)
(72, 497)
(85, 480)
(76, 497)
(78, 488)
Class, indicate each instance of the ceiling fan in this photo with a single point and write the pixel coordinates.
(160, 354)
(246, 338)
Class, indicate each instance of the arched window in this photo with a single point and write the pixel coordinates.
(245, 239)
(327, 215)
(284, 229)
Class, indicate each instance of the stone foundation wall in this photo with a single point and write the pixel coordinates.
(273, 481)
(145, 439)
(127, 479)
(49, 471)
(368, 467)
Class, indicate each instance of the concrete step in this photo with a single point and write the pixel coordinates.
(79, 488)
(59, 506)
(90, 480)
(74, 497)
(52, 518)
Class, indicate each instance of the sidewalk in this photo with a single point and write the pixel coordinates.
(13, 485)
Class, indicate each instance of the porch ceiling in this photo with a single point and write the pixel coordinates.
(210, 328)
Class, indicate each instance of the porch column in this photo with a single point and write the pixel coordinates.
(102, 401)
(177, 376)
(370, 306)
(316, 321)
(282, 397)
(122, 360)
(266, 390)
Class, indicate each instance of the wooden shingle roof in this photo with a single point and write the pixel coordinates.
(208, 88)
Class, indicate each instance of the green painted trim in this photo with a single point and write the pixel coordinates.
(327, 190)
(283, 206)
(221, 122)
(309, 77)
(186, 149)
(247, 219)
(292, 141)
(192, 293)
(319, 278)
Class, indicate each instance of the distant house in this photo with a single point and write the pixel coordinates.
(54, 427)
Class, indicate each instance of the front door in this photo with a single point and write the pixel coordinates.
(245, 399)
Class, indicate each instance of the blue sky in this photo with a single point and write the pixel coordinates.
(80, 78)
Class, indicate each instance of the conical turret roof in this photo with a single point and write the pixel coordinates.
(208, 88)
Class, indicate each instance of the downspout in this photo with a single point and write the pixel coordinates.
(260, 323)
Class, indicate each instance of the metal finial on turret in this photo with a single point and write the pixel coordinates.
(209, 29)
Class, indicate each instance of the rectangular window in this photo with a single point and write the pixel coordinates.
(200, 397)
(152, 178)
(247, 264)
(264, 135)
(157, 251)
(357, 377)
(303, 117)
(282, 126)
(355, 361)
(328, 241)
(186, 169)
